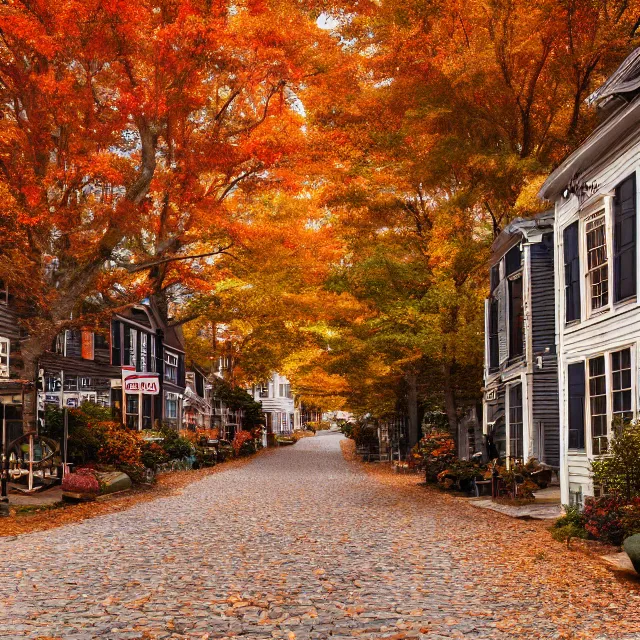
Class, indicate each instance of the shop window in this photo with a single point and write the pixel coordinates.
(133, 411)
(70, 383)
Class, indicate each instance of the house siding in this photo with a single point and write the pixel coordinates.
(536, 370)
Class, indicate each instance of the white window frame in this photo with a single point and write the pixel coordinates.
(597, 220)
(609, 390)
(602, 207)
(171, 398)
(171, 360)
(5, 345)
(512, 381)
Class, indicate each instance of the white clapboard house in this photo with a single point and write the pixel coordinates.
(520, 399)
(598, 317)
(278, 405)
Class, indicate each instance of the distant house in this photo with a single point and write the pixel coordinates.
(197, 409)
(520, 401)
(596, 209)
(136, 367)
(12, 387)
(281, 413)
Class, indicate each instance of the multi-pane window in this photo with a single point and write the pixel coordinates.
(171, 406)
(4, 357)
(263, 391)
(598, 404)
(130, 346)
(621, 385)
(70, 383)
(133, 410)
(598, 269)
(152, 354)
(171, 367)
(515, 422)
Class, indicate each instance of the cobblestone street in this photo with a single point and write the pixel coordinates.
(301, 544)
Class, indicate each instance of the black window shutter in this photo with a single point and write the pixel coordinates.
(571, 273)
(513, 260)
(516, 319)
(624, 239)
(115, 344)
(576, 405)
(494, 345)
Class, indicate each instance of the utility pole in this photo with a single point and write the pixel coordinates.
(4, 500)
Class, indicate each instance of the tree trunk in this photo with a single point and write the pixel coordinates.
(31, 351)
(450, 401)
(412, 406)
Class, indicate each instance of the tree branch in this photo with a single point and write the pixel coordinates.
(135, 268)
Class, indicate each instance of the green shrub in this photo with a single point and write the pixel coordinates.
(572, 517)
(631, 518)
(619, 471)
(153, 454)
(347, 429)
(565, 532)
(174, 445)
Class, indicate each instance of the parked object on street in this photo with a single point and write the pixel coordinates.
(631, 547)
(113, 482)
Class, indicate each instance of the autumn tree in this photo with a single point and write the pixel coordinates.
(457, 113)
(128, 131)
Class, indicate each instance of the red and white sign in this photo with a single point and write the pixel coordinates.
(145, 383)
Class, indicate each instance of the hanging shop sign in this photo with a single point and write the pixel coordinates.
(136, 382)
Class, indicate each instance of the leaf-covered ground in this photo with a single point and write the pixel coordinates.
(51, 516)
(303, 544)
